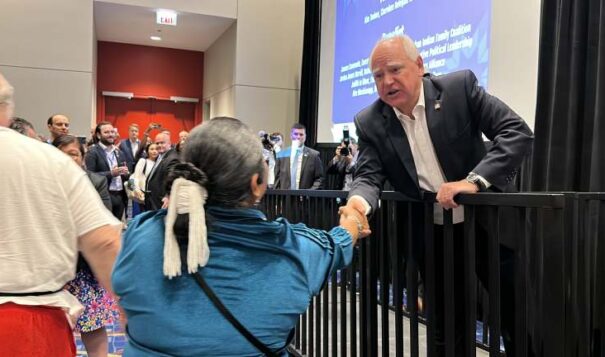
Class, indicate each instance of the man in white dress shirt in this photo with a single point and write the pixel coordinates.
(424, 133)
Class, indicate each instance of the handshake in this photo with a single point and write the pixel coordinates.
(355, 221)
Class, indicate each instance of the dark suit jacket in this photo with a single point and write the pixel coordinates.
(96, 161)
(100, 184)
(311, 175)
(457, 111)
(156, 181)
(129, 156)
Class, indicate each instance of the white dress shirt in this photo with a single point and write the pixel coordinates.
(428, 168)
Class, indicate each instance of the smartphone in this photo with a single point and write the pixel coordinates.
(345, 139)
(345, 135)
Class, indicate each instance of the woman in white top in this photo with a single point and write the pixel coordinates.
(141, 171)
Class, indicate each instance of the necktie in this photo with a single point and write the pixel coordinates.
(294, 171)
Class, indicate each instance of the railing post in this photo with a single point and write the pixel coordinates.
(470, 280)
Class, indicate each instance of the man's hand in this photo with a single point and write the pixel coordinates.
(357, 204)
(115, 171)
(353, 220)
(123, 170)
(449, 190)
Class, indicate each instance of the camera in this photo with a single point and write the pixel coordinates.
(345, 139)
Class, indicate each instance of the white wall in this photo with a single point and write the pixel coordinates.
(268, 63)
(219, 74)
(47, 55)
(513, 74)
(253, 70)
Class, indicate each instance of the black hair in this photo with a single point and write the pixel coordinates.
(147, 148)
(189, 172)
(65, 140)
(299, 126)
(98, 128)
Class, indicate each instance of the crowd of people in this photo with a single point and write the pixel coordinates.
(298, 167)
(201, 271)
(210, 191)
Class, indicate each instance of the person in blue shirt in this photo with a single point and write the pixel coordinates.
(264, 272)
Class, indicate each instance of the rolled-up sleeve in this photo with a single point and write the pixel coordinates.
(322, 252)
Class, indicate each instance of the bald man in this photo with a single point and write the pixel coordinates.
(155, 190)
(58, 125)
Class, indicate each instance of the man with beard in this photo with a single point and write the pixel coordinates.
(107, 160)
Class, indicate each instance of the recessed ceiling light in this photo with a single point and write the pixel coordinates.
(156, 38)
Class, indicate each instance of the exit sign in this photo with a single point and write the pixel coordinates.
(166, 17)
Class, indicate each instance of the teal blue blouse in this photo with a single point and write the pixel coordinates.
(265, 273)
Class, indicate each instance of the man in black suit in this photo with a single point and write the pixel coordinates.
(155, 185)
(130, 146)
(425, 134)
(298, 167)
(107, 160)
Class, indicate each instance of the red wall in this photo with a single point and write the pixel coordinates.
(149, 72)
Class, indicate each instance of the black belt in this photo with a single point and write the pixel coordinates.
(30, 294)
(116, 192)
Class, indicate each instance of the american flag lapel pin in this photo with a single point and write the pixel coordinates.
(438, 105)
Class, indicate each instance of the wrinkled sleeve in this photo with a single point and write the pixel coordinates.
(323, 253)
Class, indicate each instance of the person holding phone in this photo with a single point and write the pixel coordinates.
(145, 141)
(343, 162)
(107, 159)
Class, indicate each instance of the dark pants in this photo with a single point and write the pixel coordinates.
(481, 258)
(119, 201)
(506, 287)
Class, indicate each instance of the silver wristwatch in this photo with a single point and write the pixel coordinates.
(476, 180)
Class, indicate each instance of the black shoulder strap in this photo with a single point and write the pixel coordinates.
(227, 314)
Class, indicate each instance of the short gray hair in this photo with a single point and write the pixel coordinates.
(406, 41)
(6, 97)
(229, 153)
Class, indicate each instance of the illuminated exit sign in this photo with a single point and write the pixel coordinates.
(166, 17)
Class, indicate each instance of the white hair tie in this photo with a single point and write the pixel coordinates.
(186, 197)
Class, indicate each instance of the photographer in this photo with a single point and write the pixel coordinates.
(141, 154)
(269, 156)
(343, 163)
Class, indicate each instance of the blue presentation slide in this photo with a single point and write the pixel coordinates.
(450, 35)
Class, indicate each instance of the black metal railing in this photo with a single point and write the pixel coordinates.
(554, 253)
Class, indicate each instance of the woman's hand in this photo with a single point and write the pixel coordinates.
(354, 222)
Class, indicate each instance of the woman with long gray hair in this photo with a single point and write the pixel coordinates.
(240, 268)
